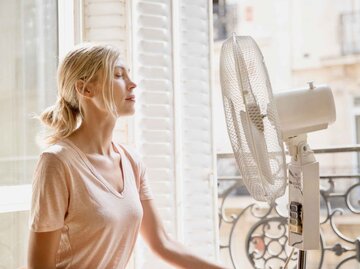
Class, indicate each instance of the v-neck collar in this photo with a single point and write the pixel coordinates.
(96, 173)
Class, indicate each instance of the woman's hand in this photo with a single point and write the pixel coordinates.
(170, 250)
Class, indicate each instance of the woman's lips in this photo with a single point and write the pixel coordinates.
(131, 98)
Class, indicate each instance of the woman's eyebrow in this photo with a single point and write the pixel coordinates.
(122, 67)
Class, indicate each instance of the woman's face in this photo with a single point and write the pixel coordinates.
(123, 88)
(123, 91)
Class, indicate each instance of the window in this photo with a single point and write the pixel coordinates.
(225, 18)
(349, 28)
(29, 52)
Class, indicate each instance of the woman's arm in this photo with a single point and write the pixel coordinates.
(168, 249)
(42, 249)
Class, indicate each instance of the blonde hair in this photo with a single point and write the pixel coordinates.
(81, 63)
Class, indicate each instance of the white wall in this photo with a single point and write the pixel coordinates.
(316, 31)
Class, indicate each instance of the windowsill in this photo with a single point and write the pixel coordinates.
(15, 198)
(341, 60)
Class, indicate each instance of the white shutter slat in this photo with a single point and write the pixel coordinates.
(157, 148)
(153, 34)
(155, 59)
(156, 110)
(155, 85)
(157, 72)
(156, 98)
(157, 136)
(105, 34)
(103, 21)
(159, 173)
(194, 112)
(200, 86)
(158, 161)
(159, 9)
(154, 46)
(156, 124)
(98, 7)
(153, 21)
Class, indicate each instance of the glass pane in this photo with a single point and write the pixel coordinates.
(14, 234)
(357, 101)
(28, 52)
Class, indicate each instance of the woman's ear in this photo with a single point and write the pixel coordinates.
(85, 89)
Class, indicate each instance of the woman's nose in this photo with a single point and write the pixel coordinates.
(132, 85)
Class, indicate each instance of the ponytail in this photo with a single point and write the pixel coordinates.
(62, 120)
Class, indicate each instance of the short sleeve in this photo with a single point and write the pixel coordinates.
(145, 190)
(50, 194)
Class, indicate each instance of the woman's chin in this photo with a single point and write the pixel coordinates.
(126, 113)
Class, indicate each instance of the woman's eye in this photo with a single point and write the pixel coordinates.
(119, 75)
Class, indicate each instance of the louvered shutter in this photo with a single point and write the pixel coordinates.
(173, 130)
(199, 188)
(154, 121)
(106, 22)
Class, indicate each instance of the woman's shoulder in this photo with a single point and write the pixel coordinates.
(56, 153)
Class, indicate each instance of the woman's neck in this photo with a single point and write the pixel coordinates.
(94, 136)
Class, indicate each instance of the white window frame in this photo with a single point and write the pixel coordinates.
(17, 198)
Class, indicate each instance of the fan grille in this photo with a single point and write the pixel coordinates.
(251, 118)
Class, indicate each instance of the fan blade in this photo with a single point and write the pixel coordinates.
(259, 150)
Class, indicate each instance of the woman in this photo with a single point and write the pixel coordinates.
(90, 195)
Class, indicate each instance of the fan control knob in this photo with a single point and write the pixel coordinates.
(311, 85)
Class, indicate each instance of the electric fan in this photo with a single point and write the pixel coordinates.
(259, 123)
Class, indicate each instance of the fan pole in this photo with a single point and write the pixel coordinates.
(301, 259)
(304, 198)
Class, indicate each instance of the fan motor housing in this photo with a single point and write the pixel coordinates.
(305, 110)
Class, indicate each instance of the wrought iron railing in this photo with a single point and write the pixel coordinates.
(254, 235)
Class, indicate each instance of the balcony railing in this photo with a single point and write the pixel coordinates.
(254, 235)
(350, 33)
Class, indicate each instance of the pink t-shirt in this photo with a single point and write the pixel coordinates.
(99, 225)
